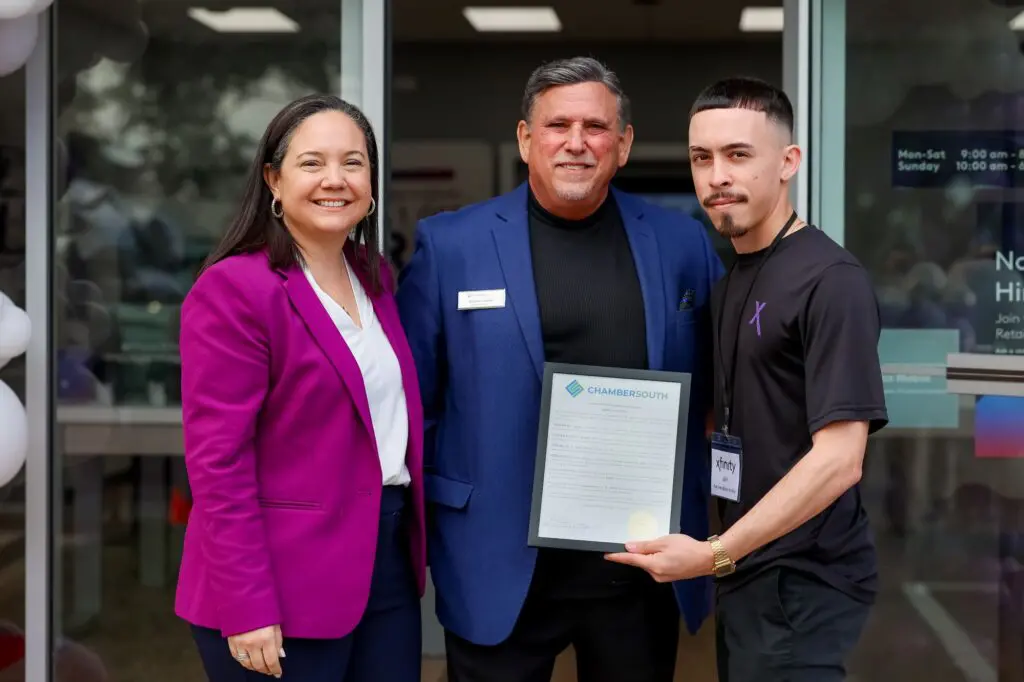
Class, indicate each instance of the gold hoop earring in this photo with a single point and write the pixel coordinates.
(373, 207)
(274, 203)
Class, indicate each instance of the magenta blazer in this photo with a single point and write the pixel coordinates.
(281, 456)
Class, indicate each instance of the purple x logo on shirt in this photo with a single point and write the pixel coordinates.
(756, 319)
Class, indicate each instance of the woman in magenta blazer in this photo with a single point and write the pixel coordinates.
(304, 555)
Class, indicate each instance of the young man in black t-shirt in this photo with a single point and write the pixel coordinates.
(798, 391)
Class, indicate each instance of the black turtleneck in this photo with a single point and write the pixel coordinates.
(591, 308)
(591, 313)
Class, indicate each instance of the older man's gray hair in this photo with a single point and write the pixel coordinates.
(573, 72)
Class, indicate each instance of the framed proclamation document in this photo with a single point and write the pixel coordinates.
(610, 455)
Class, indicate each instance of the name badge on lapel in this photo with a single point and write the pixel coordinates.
(482, 299)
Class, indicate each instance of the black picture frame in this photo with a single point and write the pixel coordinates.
(584, 372)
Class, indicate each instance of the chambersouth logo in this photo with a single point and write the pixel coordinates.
(576, 389)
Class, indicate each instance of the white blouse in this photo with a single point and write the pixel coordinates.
(382, 376)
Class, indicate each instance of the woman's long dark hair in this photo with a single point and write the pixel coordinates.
(256, 229)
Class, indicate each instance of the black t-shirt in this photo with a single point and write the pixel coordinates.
(807, 357)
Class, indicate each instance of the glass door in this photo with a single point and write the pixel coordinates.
(145, 116)
(916, 166)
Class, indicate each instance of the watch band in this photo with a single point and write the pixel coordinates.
(723, 564)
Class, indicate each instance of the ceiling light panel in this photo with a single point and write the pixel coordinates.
(244, 20)
(513, 19)
(762, 19)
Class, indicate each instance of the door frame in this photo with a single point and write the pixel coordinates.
(796, 82)
(39, 394)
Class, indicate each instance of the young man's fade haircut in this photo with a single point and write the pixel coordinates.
(742, 92)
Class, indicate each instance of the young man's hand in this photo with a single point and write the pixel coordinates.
(669, 558)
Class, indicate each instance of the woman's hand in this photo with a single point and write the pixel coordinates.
(259, 650)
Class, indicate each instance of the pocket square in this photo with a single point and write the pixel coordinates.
(686, 300)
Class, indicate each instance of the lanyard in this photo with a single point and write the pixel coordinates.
(728, 381)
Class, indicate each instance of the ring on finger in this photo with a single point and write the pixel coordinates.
(242, 656)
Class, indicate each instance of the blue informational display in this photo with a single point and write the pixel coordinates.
(934, 158)
(917, 400)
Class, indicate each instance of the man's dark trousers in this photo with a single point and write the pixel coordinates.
(786, 626)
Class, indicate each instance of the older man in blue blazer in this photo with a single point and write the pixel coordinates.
(563, 269)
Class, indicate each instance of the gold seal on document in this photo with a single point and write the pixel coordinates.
(643, 526)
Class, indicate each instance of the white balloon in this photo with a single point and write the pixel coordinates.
(13, 434)
(17, 40)
(15, 9)
(15, 330)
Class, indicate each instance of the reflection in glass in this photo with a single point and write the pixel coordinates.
(158, 112)
(932, 208)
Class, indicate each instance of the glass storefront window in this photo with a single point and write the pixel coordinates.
(158, 109)
(918, 171)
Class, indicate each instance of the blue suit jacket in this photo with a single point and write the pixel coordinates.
(480, 376)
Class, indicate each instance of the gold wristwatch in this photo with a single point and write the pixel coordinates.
(723, 564)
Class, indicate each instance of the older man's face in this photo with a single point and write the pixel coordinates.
(573, 145)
